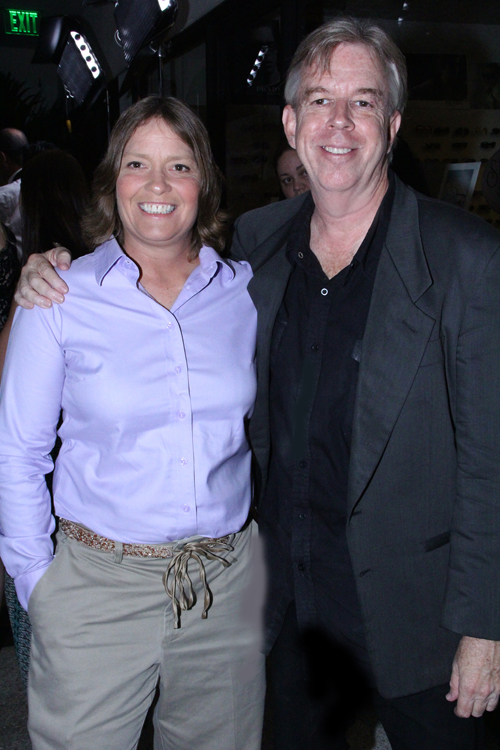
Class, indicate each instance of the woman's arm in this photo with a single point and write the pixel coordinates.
(30, 402)
(4, 336)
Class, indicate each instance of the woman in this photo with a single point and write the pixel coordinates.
(291, 172)
(152, 360)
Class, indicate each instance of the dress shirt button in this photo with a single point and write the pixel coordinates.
(324, 292)
(314, 347)
(301, 255)
(181, 415)
(169, 325)
(303, 464)
(301, 567)
(177, 369)
(302, 516)
(184, 461)
(186, 508)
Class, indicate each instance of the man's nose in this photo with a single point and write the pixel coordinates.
(340, 115)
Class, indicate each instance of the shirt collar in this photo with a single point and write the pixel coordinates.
(110, 255)
(15, 176)
(298, 250)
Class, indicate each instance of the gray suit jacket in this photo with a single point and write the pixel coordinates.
(424, 487)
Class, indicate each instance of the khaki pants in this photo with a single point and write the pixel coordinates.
(103, 635)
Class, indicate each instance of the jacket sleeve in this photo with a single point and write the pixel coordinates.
(472, 602)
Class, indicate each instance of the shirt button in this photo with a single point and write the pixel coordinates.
(302, 516)
(314, 347)
(301, 255)
(184, 461)
(303, 464)
(324, 292)
(301, 567)
(181, 415)
(169, 325)
(177, 369)
(186, 508)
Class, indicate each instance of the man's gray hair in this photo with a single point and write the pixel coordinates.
(316, 50)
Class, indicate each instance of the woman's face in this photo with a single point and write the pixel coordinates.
(157, 190)
(292, 174)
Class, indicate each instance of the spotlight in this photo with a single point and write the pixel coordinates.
(139, 22)
(78, 68)
(258, 62)
(62, 42)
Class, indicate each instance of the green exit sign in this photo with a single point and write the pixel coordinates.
(21, 22)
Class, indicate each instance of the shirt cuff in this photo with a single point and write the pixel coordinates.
(26, 582)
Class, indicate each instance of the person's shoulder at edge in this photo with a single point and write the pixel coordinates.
(451, 228)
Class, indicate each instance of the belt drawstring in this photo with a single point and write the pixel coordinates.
(180, 587)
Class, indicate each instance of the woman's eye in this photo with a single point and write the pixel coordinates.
(181, 168)
(134, 164)
(286, 180)
(320, 102)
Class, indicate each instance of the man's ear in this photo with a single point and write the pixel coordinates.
(289, 124)
(394, 125)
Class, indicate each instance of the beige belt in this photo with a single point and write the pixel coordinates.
(176, 580)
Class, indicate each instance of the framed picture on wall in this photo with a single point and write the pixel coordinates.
(459, 182)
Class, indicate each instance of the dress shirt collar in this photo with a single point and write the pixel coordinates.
(15, 176)
(299, 252)
(110, 255)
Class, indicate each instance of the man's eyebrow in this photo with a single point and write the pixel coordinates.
(375, 92)
(315, 90)
(364, 90)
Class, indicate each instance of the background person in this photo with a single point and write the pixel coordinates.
(152, 362)
(291, 172)
(13, 144)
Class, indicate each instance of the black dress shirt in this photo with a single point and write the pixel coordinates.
(316, 347)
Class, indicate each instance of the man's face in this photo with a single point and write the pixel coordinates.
(340, 129)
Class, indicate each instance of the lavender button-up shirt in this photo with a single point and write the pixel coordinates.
(154, 403)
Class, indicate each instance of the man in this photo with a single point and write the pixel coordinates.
(380, 327)
(377, 424)
(12, 146)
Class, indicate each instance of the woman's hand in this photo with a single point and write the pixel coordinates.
(39, 284)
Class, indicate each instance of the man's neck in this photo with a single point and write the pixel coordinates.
(340, 223)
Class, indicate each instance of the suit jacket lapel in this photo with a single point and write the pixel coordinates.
(267, 289)
(397, 332)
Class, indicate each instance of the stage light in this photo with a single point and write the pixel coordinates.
(86, 52)
(258, 62)
(139, 22)
(62, 42)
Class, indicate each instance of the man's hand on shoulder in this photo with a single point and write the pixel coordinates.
(475, 677)
(39, 284)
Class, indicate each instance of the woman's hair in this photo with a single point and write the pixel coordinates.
(54, 196)
(102, 219)
(316, 50)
